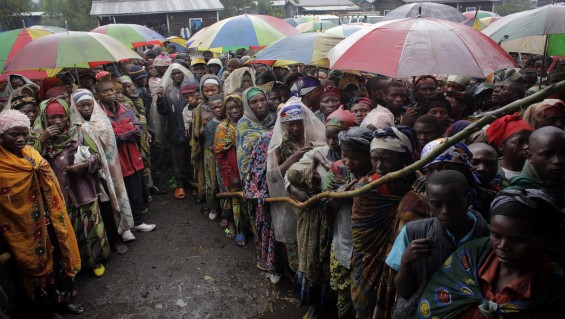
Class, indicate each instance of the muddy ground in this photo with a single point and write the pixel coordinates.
(187, 268)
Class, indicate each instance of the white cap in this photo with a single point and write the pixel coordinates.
(215, 61)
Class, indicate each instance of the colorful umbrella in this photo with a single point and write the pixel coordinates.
(541, 21)
(411, 47)
(180, 43)
(243, 31)
(132, 35)
(344, 30)
(70, 49)
(307, 48)
(48, 28)
(315, 26)
(535, 44)
(291, 21)
(300, 20)
(479, 14)
(427, 10)
(475, 23)
(488, 20)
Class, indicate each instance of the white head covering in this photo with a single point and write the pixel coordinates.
(233, 82)
(166, 79)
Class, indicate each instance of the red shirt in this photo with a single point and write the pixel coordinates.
(127, 130)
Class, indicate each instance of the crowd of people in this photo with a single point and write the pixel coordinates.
(477, 233)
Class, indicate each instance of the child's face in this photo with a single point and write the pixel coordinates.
(218, 109)
(190, 98)
(449, 204)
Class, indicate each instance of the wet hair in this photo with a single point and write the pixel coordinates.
(430, 120)
(263, 78)
(449, 178)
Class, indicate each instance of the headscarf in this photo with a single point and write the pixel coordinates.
(342, 119)
(19, 101)
(305, 85)
(82, 95)
(233, 97)
(459, 153)
(28, 89)
(457, 127)
(233, 81)
(12, 118)
(541, 211)
(47, 84)
(548, 107)
(9, 89)
(362, 100)
(56, 144)
(461, 80)
(357, 139)
(328, 90)
(379, 118)
(208, 79)
(292, 112)
(501, 129)
(247, 112)
(162, 60)
(56, 91)
(166, 79)
(392, 139)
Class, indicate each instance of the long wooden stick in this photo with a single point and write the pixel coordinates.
(474, 127)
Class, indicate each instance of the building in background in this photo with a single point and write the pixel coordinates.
(294, 8)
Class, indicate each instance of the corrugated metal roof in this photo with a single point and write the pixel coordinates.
(119, 7)
(331, 8)
(278, 3)
(322, 3)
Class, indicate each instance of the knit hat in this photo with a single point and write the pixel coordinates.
(162, 60)
(12, 118)
(189, 87)
(137, 72)
(215, 61)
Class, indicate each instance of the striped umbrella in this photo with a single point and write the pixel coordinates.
(475, 23)
(70, 49)
(180, 43)
(344, 30)
(291, 21)
(132, 35)
(243, 31)
(48, 28)
(307, 48)
(488, 20)
(12, 42)
(315, 26)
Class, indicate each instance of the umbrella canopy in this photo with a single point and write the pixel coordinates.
(535, 44)
(243, 31)
(307, 48)
(344, 30)
(132, 35)
(72, 49)
(48, 28)
(411, 47)
(300, 20)
(475, 23)
(427, 10)
(488, 20)
(291, 21)
(545, 20)
(479, 14)
(180, 43)
(315, 26)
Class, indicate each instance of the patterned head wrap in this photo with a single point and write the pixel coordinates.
(305, 85)
(328, 90)
(21, 100)
(357, 139)
(251, 92)
(82, 95)
(458, 153)
(501, 129)
(393, 139)
(12, 118)
(292, 112)
(362, 100)
(342, 119)
(537, 112)
(233, 97)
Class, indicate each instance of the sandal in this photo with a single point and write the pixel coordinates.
(230, 233)
(179, 193)
(240, 240)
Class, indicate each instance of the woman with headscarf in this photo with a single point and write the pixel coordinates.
(374, 214)
(15, 81)
(239, 80)
(303, 180)
(89, 116)
(329, 100)
(25, 104)
(297, 129)
(355, 163)
(201, 115)
(508, 274)
(549, 112)
(35, 223)
(74, 157)
(256, 121)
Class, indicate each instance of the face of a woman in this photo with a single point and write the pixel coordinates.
(357, 163)
(30, 111)
(259, 106)
(386, 161)
(210, 89)
(441, 114)
(85, 108)
(15, 139)
(360, 111)
(58, 120)
(295, 128)
(246, 82)
(129, 89)
(331, 138)
(329, 104)
(234, 110)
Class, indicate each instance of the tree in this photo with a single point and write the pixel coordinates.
(513, 6)
(235, 7)
(12, 12)
(75, 12)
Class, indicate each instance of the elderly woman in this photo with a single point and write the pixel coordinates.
(374, 215)
(549, 112)
(34, 219)
(506, 275)
(118, 218)
(295, 131)
(74, 157)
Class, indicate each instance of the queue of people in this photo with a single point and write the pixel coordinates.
(478, 232)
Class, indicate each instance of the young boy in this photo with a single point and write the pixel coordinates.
(218, 110)
(422, 246)
(427, 129)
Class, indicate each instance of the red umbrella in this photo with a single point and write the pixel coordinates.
(419, 46)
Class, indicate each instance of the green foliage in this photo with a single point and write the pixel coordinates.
(508, 7)
(75, 12)
(12, 12)
(237, 7)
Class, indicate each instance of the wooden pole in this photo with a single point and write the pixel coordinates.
(488, 118)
